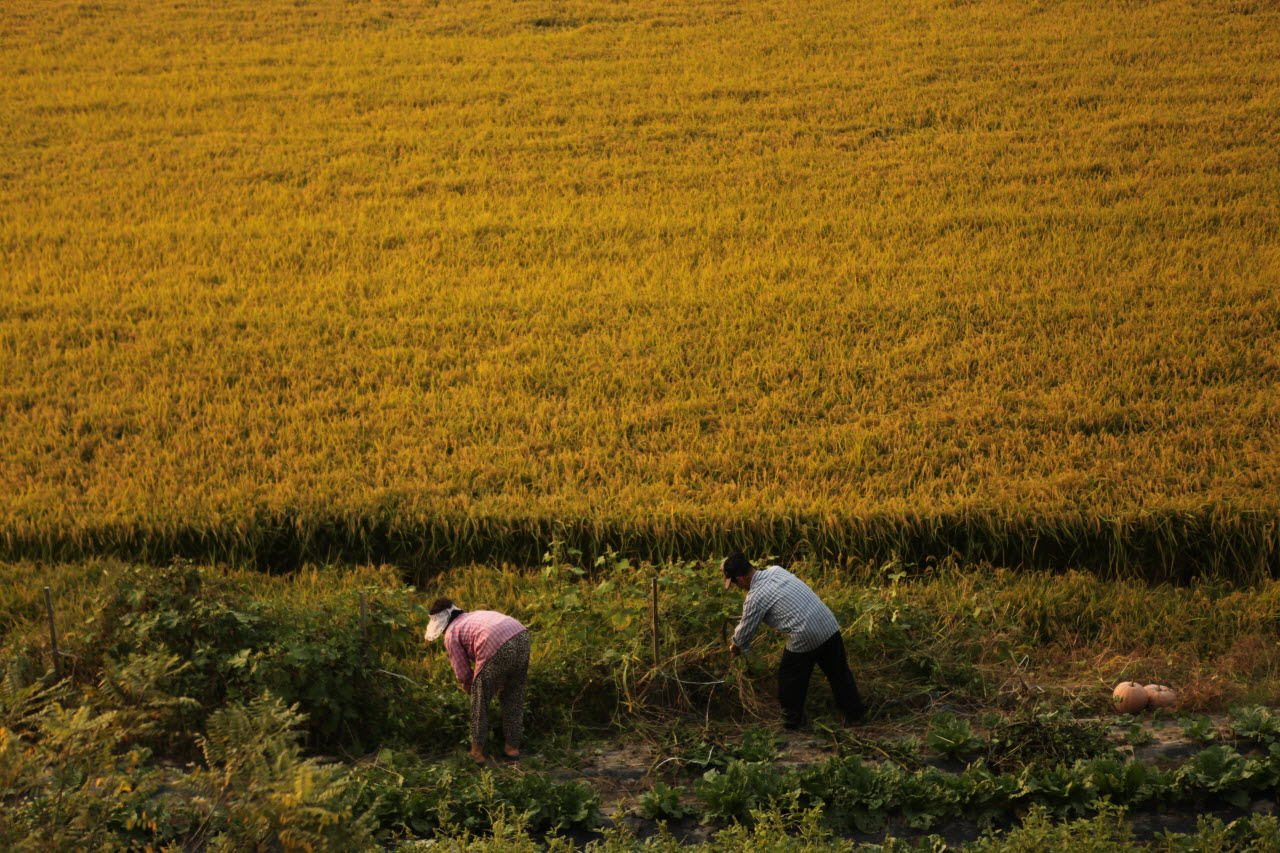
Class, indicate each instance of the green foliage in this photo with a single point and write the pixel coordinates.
(664, 802)
(1253, 834)
(952, 736)
(893, 623)
(786, 830)
(986, 796)
(222, 645)
(923, 798)
(550, 806)
(74, 782)
(1131, 783)
(1012, 743)
(137, 688)
(757, 744)
(80, 758)
(863, 798)
(1138, 735)
(852, 794)
(1221, 773)
(1061, 790)
(268, 793)
(1201, 730)
(1106, 832)
(21, 704)
(408, 797)
(906, 750)
(1256, 723)
(781, 829)
(734, 793)
(581, 605)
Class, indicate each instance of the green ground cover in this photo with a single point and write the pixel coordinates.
(206, 708)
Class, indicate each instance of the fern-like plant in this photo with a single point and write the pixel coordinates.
(269, 795)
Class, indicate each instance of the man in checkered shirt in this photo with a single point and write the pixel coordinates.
(784, 602)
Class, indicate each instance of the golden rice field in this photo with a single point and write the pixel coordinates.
(440, 280)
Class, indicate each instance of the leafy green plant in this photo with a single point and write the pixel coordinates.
(225, 646)
(784, 828)
(1138, 735)
(1130, 783)
(408, 796)
(664, 802)
(756, 745)
(548, 806)
(905, 750)
(1222, 773)
(952, 736)
(848, 791)
(1201, 730)
(1105, 832)
(922, 798)
(73, 781)
(268, 794)
(1256, 723)
(986, 796)
(1258, 833)
(1061, 790)
(733, 793)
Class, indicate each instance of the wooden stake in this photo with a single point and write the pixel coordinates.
(655, 623)
(53, 633)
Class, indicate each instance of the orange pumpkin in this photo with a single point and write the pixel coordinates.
(1129, 697)
(1159, 696)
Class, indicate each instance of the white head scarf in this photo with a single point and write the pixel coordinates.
(439, 622)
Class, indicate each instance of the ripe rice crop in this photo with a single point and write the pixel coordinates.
(421, 281)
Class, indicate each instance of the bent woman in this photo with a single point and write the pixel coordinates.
(490, 654)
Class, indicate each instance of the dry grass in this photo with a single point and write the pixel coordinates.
(419, 281)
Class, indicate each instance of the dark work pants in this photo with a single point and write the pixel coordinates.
(794, 671)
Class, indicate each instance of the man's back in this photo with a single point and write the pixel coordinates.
(785, 603)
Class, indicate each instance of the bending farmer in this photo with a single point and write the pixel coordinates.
(490, 653)
(783, 602)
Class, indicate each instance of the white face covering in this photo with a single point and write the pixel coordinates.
(439, 622)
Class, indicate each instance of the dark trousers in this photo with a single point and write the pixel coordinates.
(794, 671)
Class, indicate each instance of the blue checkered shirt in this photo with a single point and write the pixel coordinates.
(785, 603)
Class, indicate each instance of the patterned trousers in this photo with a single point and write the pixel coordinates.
(507, 671)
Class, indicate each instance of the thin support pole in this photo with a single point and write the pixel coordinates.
(655, 623)
(53, 633)
(363, 621)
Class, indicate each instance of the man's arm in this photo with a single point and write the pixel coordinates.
(753, 613)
